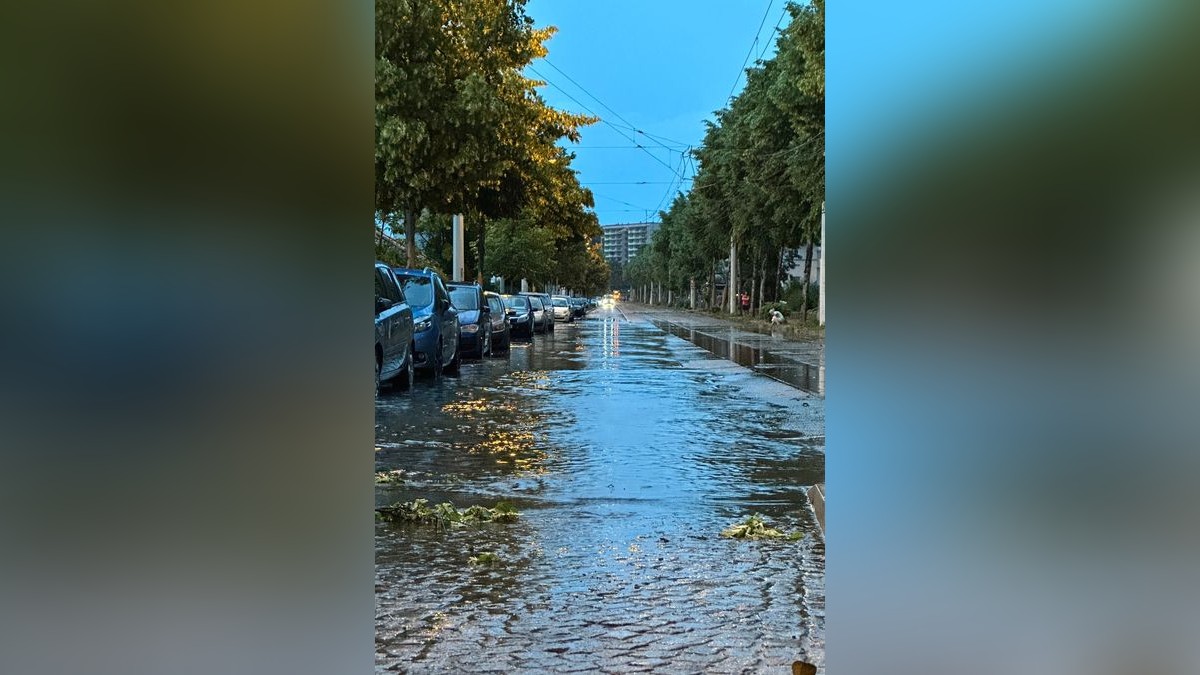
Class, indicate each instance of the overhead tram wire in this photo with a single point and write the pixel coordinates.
(614, 127)
(619, 116)
(672, 188)
(767, 43)
(751, 51)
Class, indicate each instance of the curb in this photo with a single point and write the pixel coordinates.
(816, 497)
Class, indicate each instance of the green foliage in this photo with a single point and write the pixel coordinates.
(761, 176)
(460, 129)
(445, 514)
(754, 527)
(389, 477)
(485, 558)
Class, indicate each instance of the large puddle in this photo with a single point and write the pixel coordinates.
(626, 459)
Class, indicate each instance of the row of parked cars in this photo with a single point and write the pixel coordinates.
(424, 323)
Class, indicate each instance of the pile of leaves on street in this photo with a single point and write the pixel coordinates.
(445, 514)
(389, 477)
(755, 527)
(485, 558)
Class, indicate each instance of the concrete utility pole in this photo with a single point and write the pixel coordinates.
(524, 285)
(692, 295)
(460, 267)
(821, 287)
(733, 276)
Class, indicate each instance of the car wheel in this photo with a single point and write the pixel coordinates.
(437, 360)
(409, 375)
(486, 348)
(455, 362)
(378, 374)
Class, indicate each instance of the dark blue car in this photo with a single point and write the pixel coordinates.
(393, 331)
(435, 320)
(474, 318)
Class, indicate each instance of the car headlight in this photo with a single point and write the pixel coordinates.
(423, 325)
(470, 328)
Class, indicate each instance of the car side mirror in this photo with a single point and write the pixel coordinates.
(382, 304)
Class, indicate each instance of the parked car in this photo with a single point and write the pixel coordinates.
(393, 331)
(498, 314)
(547, 303)
(520, 314)
(542, 317)
(474, 318)
(579, 307)
(435, 320)
(562, 309)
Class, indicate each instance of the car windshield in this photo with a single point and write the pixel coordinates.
(465, 298)
(514, 302)
(418, 290)
(560, 302)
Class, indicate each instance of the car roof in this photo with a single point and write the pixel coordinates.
(463, 284)
(414, 273)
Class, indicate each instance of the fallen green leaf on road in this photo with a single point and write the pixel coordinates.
(754, 527)
(485, 558)
(445, 514)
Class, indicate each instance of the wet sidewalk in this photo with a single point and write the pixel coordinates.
(627, 451)
(771, 352)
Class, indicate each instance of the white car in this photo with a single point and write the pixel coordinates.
(562, 309)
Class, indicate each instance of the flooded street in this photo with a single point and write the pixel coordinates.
(627, 450)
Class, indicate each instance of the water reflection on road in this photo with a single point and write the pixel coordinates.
(627, 450)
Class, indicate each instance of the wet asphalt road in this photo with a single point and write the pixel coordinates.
(627, 451)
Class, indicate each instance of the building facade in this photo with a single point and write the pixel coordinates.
(621, 242)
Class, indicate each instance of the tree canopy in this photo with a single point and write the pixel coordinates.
(761, 177)
(460, 129)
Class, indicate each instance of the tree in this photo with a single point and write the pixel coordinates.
(761, 180)
(454, 116)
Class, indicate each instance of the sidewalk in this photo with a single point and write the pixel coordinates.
(771, 350)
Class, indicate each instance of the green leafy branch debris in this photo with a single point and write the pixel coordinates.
(445, 514)
(755, 527)
(485, 558)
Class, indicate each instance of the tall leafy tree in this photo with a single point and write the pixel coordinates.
(454, 115)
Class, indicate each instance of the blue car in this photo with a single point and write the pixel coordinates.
(393, 331)
(435, 330)
(474, 318)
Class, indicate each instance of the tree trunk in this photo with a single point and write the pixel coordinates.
(762, 283)
(808, 255)
(410, 236)
(712, 284)
(733, 275)
(753, 286)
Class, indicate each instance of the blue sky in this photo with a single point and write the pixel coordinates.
(663, 68)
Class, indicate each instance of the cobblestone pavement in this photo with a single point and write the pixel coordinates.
(627, 451)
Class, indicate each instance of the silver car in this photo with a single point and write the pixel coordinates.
(562, 309)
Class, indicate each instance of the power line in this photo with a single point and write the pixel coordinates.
(631, 125)
(593, 113)
(682, 162)
(752, 45)
(767, 44)
(639, 182)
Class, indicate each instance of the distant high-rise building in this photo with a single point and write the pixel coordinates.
(622, 241)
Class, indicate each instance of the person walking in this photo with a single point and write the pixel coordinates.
(745, 302)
